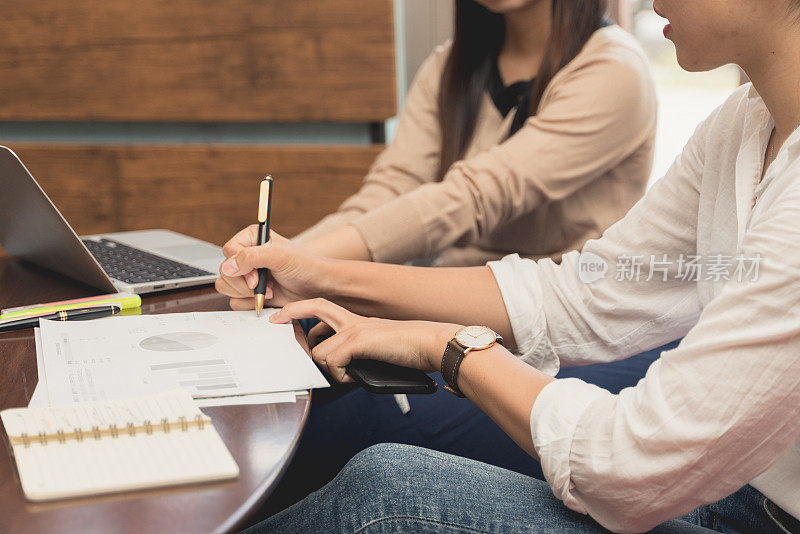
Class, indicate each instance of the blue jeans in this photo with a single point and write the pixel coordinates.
(341, 426)
(400, 488)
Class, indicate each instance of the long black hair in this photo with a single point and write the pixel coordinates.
(479, 36)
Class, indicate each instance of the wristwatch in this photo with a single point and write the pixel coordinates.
(466, 340)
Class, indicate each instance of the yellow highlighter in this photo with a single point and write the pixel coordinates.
(126, 301)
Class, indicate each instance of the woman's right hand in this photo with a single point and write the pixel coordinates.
(295, 274)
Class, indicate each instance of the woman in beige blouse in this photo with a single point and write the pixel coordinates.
(531, 132)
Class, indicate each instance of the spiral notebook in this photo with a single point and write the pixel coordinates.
(106, 447)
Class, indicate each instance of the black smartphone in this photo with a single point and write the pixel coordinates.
(385, 378)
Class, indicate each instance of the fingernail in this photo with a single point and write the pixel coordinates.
(229, 267)
(273, 317)
(252, 279)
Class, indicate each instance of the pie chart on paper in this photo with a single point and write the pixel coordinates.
(178, 341)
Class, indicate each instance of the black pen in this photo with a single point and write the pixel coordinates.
(81, 314)
(264, 212)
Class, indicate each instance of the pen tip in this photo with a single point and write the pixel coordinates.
(259, 304)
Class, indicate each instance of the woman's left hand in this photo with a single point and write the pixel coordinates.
(417, 344)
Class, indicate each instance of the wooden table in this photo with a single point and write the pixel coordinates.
(262, 438)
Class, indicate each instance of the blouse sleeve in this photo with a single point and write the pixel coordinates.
(410, 160)
(592, 307)
(586, 127)
(708, 417)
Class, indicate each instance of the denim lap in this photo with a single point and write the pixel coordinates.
(399, 488)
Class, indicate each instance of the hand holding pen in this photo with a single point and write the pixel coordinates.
(264, 213)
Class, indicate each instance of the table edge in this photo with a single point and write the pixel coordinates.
(261, 493)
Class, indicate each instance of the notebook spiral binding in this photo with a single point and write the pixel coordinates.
(165, 426)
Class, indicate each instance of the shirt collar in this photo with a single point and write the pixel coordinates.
(762, 125)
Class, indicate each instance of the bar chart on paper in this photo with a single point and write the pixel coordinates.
(200, 376)
(211, 354)
(197, 376)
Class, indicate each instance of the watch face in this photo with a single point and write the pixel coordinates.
(476, 337)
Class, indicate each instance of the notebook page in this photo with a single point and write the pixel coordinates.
(88, 458)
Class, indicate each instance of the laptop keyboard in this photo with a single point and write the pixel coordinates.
(133, 266)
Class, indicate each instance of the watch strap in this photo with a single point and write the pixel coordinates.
(451, 361)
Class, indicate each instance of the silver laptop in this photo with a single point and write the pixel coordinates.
(32, 229)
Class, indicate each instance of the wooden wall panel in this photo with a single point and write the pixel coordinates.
(209, 192)
(198, 60)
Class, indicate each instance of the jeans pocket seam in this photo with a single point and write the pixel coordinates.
(765, 505)
(420, 519)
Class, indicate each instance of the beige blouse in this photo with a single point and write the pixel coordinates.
(570, 172)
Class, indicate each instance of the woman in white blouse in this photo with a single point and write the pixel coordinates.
(712, 253)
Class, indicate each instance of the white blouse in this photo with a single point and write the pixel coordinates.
(710, 254)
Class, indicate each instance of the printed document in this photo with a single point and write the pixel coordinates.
(210, 354)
